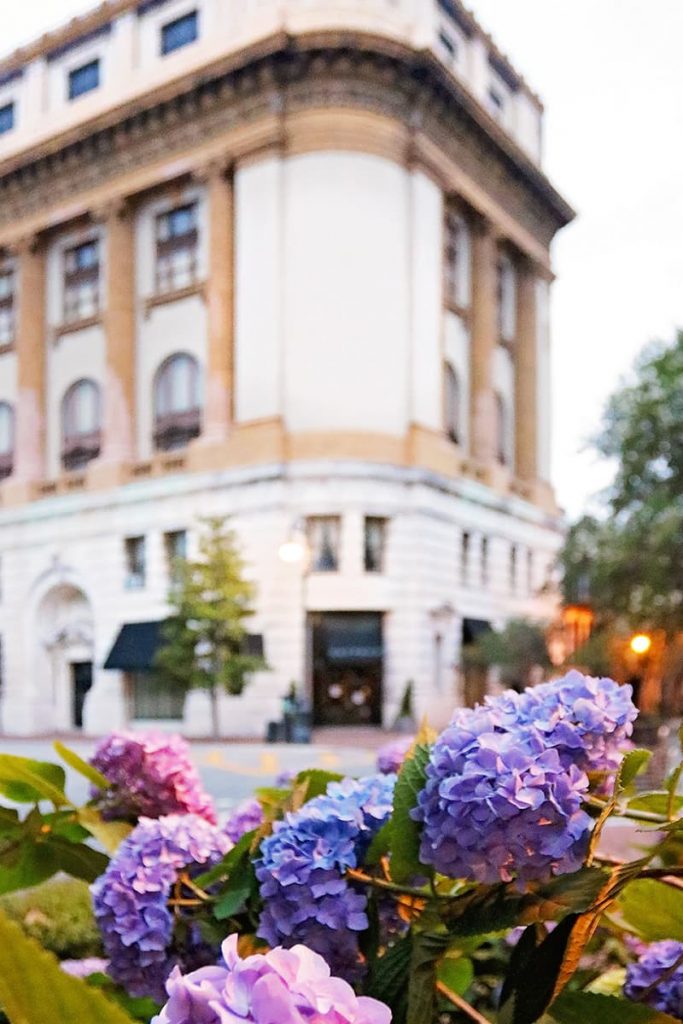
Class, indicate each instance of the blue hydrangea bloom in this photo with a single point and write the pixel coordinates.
(587, 720)
(131, 900)
(301, 870)
(499, 804)
(667, 993)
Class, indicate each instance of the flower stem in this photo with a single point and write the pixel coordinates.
(458, 1001)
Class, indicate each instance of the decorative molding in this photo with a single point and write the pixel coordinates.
(164, 298)
(73, 326)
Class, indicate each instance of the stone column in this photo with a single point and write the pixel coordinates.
(29, 448)
(118, 425)
(484, 338)
(220, 302)
(526, 375)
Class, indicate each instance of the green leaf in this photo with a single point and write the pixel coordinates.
(140, 1008)
(230, 862)
(587, 1008)
(34, 989)
(405, 833)
(26, 865)
(387, 980)
(488, 909)
(109, 833)
(317, 780)
(456, 973)
(427, 951)
(652, 909)
(380, 845)
(634, 763)
(25, 781)
(236, 891)
(77, 859)
(82, 767)
(655, 803)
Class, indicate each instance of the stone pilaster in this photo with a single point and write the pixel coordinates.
(526, 375)
(30, 341)
(484, 339)
(220, 302)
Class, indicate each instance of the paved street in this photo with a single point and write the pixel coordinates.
(231, 771)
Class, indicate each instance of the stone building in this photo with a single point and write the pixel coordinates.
(286, 261)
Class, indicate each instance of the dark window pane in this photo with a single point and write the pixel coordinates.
(153, 697)
(85, 79)
(179, 32)
(6, 118)
(375, 538)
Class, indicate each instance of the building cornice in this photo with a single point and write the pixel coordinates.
(281, 75)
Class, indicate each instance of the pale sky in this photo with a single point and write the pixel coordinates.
(611, 76)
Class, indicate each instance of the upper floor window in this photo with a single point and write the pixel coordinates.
(135, 549)
(81, 281)
(374, 544)
(81, 424)
(513, 567)
(175, 546)
(448, 46)
(7, 284)
(177, 244)
(496, 103)
(465, 549)
(506, 298)
(456, 259)
(6, 439)
(84, 79)
(324, 535)
(484, 554)
(6, 118)
(452, 403)
(530, 570)
(502, 431)
(179, 32)
(177, 402)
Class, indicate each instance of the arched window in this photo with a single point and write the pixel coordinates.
(452, 403)
(456, 259)
(81, 424)
(177, 402)
(502, 431)
(6, 439)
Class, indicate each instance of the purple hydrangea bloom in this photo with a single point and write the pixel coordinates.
(84, 968)
(244, 818)
(656, 963)
(284, 986)
(391, 756)
(302, 864)
(131, 899)
(588, 720)
(150, 775)
(500, 805)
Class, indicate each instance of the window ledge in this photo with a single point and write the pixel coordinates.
(162, 298)
(72, 326)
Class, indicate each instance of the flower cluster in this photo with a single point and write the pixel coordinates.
(656, 978)
(150, 774)
(284, 986)
(302, 864)
(131, 899)
(498, 803)
(587, 720)
(246, 817)
(391, 756)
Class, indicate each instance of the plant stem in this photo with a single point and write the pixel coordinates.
(380, 883)
(655, 819)
(458, 1001)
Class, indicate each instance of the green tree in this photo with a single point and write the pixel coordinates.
(516, 650)
(205, 636)
(628, 561)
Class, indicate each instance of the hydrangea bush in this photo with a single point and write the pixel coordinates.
(470, 876)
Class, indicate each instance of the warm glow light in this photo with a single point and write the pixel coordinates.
(641, 643)
(292, 551)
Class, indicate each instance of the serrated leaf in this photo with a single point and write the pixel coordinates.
(26, 781)
(456, 973)
(631, 766)
(652, 909)
(388, 976)
(109, 833)
(34, 989)
(316, 781)
(426, 952)
(584, 1007)
(77, 859)
(654, 803)
(84, 768)
(405, 833)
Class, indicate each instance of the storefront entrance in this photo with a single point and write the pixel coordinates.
(81, 675)
(347, 663)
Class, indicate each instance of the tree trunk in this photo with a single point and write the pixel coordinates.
(215, 724)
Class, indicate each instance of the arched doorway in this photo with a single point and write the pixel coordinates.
(65, 654)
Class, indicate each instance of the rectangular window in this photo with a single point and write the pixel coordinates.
(496, 104)
(6, 118)
(530, 570)
(177, 246)
(154, 698)
(175, 544)
(323, 534)
(82, 281)
(374, 544)
(484, 561)
(449, 47)
(506, 298)
(6, 307)
(465, 546)
(179, 33)
(135, 562)
(84, 79)
(513, 567)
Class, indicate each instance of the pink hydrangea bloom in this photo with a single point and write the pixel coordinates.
(284, 986)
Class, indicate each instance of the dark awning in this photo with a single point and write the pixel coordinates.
(472, 629)
(137, 643)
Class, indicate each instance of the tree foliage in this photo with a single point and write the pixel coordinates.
(516, 650)
(629, 564)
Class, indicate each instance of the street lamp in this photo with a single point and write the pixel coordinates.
(295, 548)
(640, 643)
